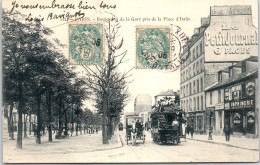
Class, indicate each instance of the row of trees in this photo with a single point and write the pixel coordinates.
(37, 79)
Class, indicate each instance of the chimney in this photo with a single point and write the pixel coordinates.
(205, 21)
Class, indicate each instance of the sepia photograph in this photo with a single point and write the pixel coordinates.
(120, 81)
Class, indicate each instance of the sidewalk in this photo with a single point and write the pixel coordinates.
(74, 144)
(243, 142)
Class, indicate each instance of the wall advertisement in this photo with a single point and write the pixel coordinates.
(231, 35)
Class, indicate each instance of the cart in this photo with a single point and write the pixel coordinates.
(134, 130)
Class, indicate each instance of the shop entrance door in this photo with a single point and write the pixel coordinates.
(250, 119)
(237, 122)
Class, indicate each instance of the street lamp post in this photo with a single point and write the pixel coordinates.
(210, 127)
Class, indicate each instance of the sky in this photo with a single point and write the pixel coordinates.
(145, 81)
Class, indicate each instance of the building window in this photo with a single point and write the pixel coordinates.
(190, 88)
(181, 78)
(197, 67)
(194, 69)
(201, 65)
(198, 87)
(194, 106)
(193, 54)
(201, 84)
(187, 105)
(190, 71)
(210, 98)
(201, 48)
(187, 92)
(198, 102)
(219, 96)
(201, 102)
(194, 86)
(197, 51)
(184, 91)
(190, 104)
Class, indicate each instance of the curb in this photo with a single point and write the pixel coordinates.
(80, 151)
(229, 145)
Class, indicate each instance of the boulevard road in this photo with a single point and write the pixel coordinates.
(189, 151)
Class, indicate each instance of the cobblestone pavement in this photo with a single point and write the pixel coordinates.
(84, 149)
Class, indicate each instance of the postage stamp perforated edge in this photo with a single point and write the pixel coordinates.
(136, 40)
(71, 61)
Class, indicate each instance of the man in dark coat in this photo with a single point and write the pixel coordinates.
(188, 129)
(227, 131)
(191, 131)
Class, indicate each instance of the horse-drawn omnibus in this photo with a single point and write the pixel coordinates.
(167, 124)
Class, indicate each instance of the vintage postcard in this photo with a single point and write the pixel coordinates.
(130, 81)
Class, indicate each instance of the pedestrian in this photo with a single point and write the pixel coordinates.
(227, 131)
(191, 131)
(188, 130)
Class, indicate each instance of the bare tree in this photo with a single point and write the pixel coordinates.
(102, 80)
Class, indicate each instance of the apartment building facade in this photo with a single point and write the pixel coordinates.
(221, 41)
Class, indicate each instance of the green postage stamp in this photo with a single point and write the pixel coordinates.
(153, 47)
(86, 43)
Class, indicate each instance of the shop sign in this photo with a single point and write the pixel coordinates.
(239, 104)
(250, 88)
(230, 10)
(233, 92)
(236, 92)
(226, 94)
(237, 118)
(250, 117)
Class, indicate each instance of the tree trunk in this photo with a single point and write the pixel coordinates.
(11, 133)
(72, 122)
(48, 98)
(104, 119)
(109, 128)
(20, 113)
(60, 128)
(77, 127)
(9, 121)
(39, 119)
(66, 121)
(25, 128)
(30, 122)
